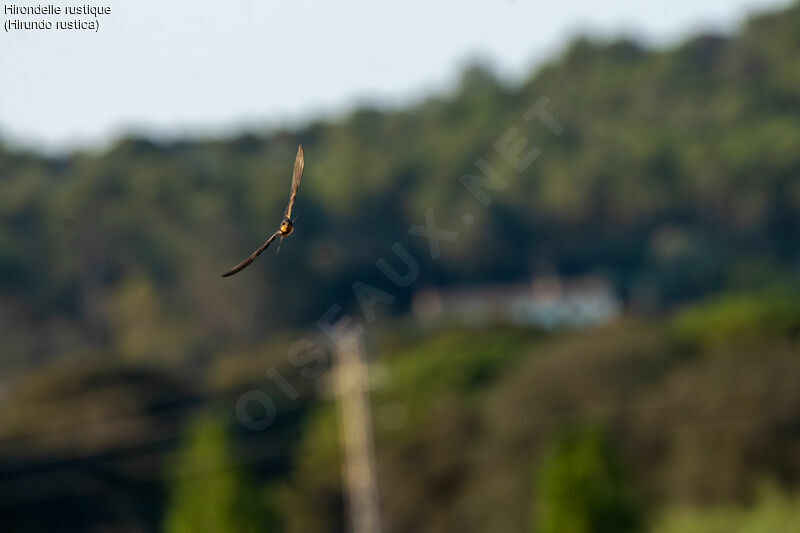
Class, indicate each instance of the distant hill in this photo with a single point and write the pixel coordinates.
(677, 173)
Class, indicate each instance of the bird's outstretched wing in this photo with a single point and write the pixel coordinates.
(241, 266)
(297, 175)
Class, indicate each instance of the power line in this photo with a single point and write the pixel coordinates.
(175, 401)
(153, 449)
(152, 444)
(256, 457)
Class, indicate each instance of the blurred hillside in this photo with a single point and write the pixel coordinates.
(676, 180)
(676, 174)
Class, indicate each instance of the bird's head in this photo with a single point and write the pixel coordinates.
(286, 227)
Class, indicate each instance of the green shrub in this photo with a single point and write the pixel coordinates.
(209, 493)
(580, 487)
(741, 317)
(772, 512)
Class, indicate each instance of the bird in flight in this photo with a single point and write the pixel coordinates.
(287, 225)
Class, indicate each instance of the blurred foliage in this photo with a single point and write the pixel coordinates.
(691, 425)
(675, 177)
(742, 317)
(771, 511)
(580, 487)
(210, 494)
(454, 362)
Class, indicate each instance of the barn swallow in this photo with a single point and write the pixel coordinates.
(287, 225)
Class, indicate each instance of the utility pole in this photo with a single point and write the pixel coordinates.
(355, 429)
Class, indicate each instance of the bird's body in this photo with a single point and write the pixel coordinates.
(287, 226)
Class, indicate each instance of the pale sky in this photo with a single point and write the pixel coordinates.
(202, 67)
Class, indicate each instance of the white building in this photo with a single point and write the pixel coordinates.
(549, 303)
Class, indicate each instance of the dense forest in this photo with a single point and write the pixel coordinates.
(672, 173)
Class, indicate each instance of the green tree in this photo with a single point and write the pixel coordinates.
(209, 493)
(580, 488)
